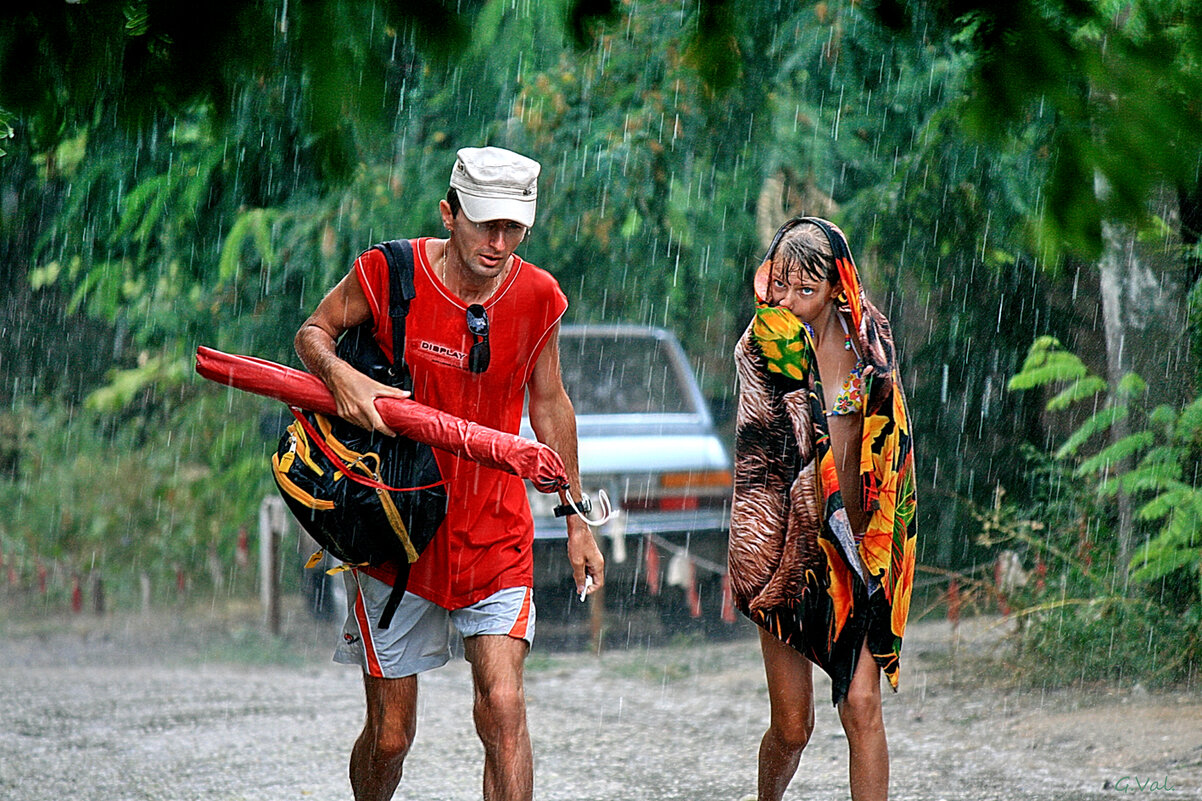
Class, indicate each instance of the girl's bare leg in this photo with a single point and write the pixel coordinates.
(791, 695)
(860, 712)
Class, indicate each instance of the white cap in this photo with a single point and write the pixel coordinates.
(496, 184)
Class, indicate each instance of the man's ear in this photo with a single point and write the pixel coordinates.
(444, 208)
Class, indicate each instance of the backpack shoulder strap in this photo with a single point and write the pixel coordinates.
(401, 290)
(399, 253)
(394, 598)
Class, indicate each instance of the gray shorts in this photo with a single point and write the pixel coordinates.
(419, 637)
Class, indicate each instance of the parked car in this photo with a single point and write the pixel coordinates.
(646, 436)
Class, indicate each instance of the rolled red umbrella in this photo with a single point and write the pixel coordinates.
(487, 446)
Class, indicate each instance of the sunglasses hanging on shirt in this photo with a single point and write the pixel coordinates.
(477, 324)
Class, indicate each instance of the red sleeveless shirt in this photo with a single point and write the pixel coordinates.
(484, 545)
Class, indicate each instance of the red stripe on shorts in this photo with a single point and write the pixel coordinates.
(369, 647)
(522, 623)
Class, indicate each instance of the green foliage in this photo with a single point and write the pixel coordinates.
(1109, 639)
(1075, 625)
(126, 385)
(87, 494)
(648, 200)
(1097, 423)
(1176, 548)
(1195, 325)
(1171, 446)
(1048, 362)
(133, 60)
(1093, 631)
(202, 178)
(1115, 453)
(1177, 503)
(253, 225)
(6, 128)
(1120, 83)
(1058, 535)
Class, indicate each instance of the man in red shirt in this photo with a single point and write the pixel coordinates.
(481, 334)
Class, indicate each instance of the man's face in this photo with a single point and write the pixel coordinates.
(484, 248)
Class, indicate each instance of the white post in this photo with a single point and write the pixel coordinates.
(273, 521)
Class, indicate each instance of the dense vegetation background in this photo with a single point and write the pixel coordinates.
(1020, 182)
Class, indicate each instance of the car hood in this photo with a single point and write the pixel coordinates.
(645, 444)
(643, 454)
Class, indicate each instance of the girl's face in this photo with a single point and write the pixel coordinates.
(809, 298)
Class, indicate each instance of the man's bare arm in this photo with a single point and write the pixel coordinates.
(344, 307)
(554, 423)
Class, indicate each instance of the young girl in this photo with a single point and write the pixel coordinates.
(822, 527)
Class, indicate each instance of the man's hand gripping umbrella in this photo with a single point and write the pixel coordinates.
(526, 458)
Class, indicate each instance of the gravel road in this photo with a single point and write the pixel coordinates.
(124, 710)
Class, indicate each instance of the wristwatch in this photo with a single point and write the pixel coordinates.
(565, 509)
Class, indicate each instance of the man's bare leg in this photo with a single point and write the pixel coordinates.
(379, 753)
(500, 713)
(791, 722)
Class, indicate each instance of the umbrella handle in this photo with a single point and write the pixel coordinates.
(607, 510)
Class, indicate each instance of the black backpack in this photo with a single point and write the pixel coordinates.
(395, 499)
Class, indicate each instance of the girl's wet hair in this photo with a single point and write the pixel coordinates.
(805, 248)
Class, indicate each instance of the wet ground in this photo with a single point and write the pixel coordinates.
(139, 708)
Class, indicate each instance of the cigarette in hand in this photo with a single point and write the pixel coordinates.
(588, 582)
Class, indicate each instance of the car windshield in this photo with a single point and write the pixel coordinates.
(621, 374)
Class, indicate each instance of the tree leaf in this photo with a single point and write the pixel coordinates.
(251, 225)
(1131, 385)
(1084, 387)
(1150, 564)
(138, 203)
(1096, 424)
(1116, 452)
(1046, 363)
(1188, 427)
(1176, 494)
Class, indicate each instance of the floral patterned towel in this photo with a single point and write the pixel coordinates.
(796, 567)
